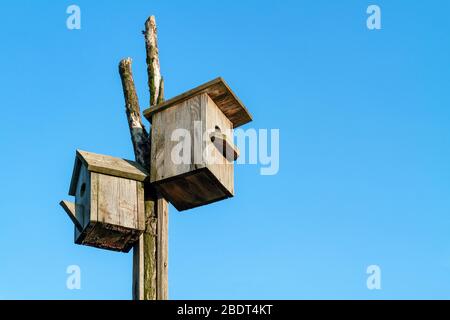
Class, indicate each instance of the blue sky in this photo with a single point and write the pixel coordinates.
(364, 123)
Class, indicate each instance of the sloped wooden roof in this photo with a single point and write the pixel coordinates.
(106, 165)
(220, 93)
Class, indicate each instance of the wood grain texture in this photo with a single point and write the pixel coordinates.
(162, 250)
(138, 267)
(182, 180)
(83, 197)
(113, 166)
(186, 116)
(106, 201)
(226, 147)
(95, 178)
(107, 210)
(87, 219)
(193, 190)
(118, 202)
(220, 166)
(220, 93)
(141, 205)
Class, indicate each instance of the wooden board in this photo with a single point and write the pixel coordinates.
(69, 208)
(110, 237)
(86, 204)
(187, 116)
(184, 184)
(111, 211)
(220, 167)
(162, 249)
(83, 198)
(192, 190)
(106, 165)
(118, 202)
(220, 93)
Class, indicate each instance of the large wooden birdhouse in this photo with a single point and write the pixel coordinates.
(192, 150)
(108, 212)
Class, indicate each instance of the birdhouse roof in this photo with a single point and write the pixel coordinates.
(105, 165)
(220, 93)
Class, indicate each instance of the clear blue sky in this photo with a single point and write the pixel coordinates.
(364, 119)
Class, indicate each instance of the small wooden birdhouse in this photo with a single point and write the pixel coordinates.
(192, 150)
(108, 212)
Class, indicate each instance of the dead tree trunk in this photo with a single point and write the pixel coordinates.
(150, 254)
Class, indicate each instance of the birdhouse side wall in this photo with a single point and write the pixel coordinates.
(219, 166)
(177, 139)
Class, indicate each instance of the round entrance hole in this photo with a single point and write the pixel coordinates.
(83, 190)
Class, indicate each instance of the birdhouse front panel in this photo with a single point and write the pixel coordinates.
(115, 220)
(83, 197)
(109, 201)
(118, 202)
(192, 152)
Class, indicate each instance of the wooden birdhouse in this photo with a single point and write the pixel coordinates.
(108, 212)
(192, 150)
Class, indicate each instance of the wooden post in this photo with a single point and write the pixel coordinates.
(150, 253)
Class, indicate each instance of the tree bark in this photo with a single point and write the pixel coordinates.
(153, 66)
(139, 135)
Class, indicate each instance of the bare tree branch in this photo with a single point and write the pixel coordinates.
(153, 67)
(139, 134)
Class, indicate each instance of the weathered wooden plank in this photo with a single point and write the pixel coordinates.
(69, 208)
(117, 201)
(141, 206)
(108, 200)
(162, 249)
(138, 270)
(220, 93)
(82, 197)
(196, 132)
(221, 167)
(112, 166)
(178, 118)
(222, 143)
(128, 206)
(157, 148)
(194, 189)
(94, 196)
(185, 116)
